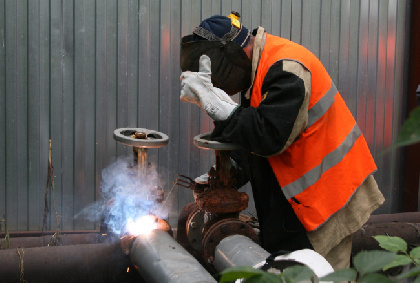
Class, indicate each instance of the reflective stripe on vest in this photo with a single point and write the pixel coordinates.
(322, 105)
(321, 170)
(330, 160)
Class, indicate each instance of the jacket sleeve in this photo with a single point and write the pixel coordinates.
(268, 129)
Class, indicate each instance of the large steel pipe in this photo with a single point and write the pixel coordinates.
(405, 225)
(75, 263)
(14, 234)
(159, 258)
(407, 217)
(363, 238)
(238, 250)
(65, 240)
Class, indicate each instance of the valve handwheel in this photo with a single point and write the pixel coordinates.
(140, 137)
(203, 141)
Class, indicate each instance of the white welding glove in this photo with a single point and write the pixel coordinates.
(198, 89)
(203, 179)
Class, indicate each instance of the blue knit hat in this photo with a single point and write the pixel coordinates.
(223, 28)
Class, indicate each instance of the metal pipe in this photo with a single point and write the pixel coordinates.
(238, 250)
(159, 258)
(408, 217)
(142, 160)
(65, 240)
(74, 263)
(363, 238)
(13, 234)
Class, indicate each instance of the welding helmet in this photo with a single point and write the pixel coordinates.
(222, 39)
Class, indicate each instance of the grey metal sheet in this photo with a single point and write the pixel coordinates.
(169, 103)
(296, 25)
(256, 18)
(354, 42)
(123, 104)
(11, 171)
(386, 177)
(306, 24)
(44, 111)
(16, 116)
(334, 40)
(325, 33)
(315, 27)
(380, 86)
(101, 102)
(176, 120)
(400, 94)
(236, 5)
(84, 108)
(74, 71)
(276, 18)
(38, 112)
(61, 113)
(286, 19)
(21, 108)
(344, 49)
(362, 72)
(189, 114)
(266, 15)
(206, 125)
(149, 42)
(3, 115)
(133, 67)
(371, 72)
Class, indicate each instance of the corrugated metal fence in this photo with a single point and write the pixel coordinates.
(73, 71)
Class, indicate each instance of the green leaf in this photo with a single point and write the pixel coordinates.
(298, 273)
(410, 130)
(409, 133)
(264, 278)
(392, 244)
(346, 274)
(415, 253)
(239, 272)
(410, 273)
(372, 261)
(375, 278)
(400, 260)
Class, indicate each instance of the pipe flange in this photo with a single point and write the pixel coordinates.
(203, 141)
(146, 139)
(195, 225)
(181, 235)
(222, 229)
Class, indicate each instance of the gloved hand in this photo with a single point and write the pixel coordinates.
(198, 89)
(203, 179)
(202, 182)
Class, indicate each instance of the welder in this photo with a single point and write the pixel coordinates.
(308, 163)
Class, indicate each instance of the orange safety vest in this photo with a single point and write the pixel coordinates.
(320, 171)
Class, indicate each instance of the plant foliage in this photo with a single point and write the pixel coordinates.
(410, 130)
(368, 267)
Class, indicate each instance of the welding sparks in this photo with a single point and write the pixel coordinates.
(143, 225)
